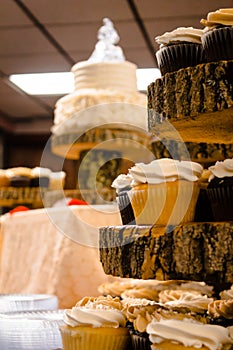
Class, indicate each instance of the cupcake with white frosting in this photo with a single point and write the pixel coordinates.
(40, 177)
(217, 38)
(180, 48)
(188, 335)
(165, 191)
(95, 323)
(220, 190)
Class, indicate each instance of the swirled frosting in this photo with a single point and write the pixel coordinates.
(122, 182)
(139, 312)
(189, 333)
(184, 34)
(221, 169)
(165, 170)
(173, 294)
(96, 312)
(220, 17)
(227, 294)
(221, 308)
(143, 293)
(194, 302)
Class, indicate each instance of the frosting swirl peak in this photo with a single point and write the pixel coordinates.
(96, 312)
(122, 182)
(165, 170)
(184, 34)
(221, 169)
(189, 333)
(220, 17)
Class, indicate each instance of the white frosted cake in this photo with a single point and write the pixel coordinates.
(105, 79)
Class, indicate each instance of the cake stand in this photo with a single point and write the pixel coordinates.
(196, 104)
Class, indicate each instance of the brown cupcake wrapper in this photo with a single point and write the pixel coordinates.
(221, 200)
(203, 210)
(126, 210)
(174, 57)
(140, 342)
(217, 44)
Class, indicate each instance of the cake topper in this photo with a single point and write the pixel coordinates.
(106, 49)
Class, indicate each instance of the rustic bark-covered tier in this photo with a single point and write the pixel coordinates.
(201, 152)
(193, 251)
(70, 145)
(194, 104)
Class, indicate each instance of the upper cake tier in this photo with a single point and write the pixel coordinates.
(194, 104)
(119, 76)
(105, 104)
(106, 78)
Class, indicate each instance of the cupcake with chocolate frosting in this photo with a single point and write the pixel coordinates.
(180, 48)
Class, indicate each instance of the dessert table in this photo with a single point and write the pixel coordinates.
(54, 251)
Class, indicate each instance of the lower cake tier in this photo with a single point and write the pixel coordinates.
(129, 142)
(192, 251)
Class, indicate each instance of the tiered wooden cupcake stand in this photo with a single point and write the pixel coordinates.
(193, 105)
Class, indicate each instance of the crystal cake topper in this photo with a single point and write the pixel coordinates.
(106, 49)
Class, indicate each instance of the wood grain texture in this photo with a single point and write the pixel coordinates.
(201, 152)
(193, 251)
(193, 104)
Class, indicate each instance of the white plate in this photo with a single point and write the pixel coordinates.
(27, 302)
(37, 330)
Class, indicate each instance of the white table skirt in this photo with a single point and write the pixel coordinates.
(54, 251)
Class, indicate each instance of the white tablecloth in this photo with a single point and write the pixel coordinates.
(54, 251)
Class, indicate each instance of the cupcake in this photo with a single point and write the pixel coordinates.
(227, 294)
(40, 177)
(122, 184)
(165, 191)
(185, 304)
(139, 313)
(203, 211)
(180, 48)
(221, 312)
(188, 335)
(116, 288)
(217, 39)
(57, 180)
(19, 176)
(220, 190)
(152, 289)
(95, 323)
(4, 179)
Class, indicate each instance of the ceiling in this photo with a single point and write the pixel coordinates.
(51, 35)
